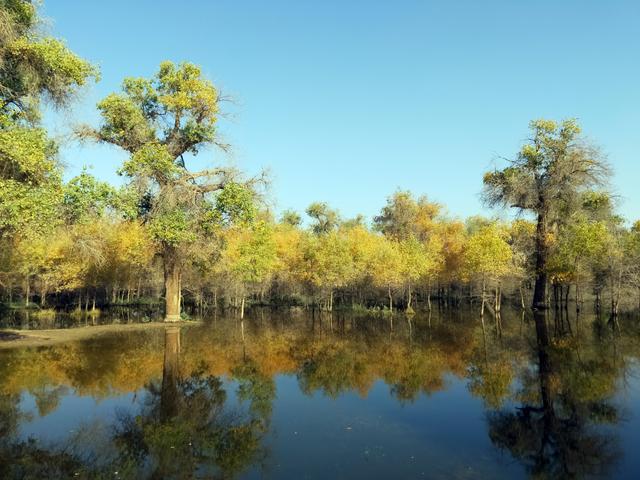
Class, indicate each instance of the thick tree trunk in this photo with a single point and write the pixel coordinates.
(172, 274)
(539, 291)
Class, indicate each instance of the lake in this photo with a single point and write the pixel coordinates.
(292, 394)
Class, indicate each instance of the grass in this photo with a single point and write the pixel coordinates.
(45, 313)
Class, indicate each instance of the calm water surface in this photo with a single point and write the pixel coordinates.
(283, 395)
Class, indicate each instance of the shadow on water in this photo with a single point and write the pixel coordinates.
(216, 400)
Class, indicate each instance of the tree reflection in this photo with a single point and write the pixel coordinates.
(183, 430)
(554, 433)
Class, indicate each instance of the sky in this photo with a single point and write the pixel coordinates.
(348, 101)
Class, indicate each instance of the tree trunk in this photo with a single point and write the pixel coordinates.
(484, 290)
(172, 275)
(43, 296)
(390, 301)
(539, 291)
(242, 308)
(27, 292)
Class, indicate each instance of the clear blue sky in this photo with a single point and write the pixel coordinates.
(345, 101)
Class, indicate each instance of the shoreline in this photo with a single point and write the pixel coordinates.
(14, 338)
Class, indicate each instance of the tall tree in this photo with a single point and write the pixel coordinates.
(549, 172)
(158, 122)
(33, 67)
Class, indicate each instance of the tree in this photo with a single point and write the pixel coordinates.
(548, 174)
(32, 68)
(251, 255)
(415, 263)
(488, 257)
(291, 218)
(87, 198)
(325, 263)
(325, 219)
(403, 216)
(158, 122)
(385, 266)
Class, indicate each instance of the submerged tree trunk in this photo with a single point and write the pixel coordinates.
(172, 274)
(540, 289)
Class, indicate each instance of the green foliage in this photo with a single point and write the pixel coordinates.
(172, 228)
(27, 210)
(325, 219)
(235, 203)
(403, 217)
(86, 198)
(136, 119)
(487, 252)
(550, 170)
(31, 68)
(291, 218)
(26, 154)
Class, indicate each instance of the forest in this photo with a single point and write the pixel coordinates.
(196, 240)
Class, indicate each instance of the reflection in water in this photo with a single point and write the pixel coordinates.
(214, 400)
(553, 435)
(182, 430)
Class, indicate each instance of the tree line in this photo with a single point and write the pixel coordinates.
(205, 239)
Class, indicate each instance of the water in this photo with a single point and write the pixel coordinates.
(284, 395)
